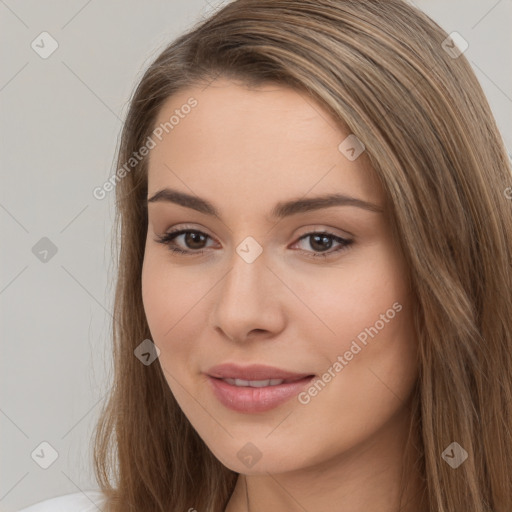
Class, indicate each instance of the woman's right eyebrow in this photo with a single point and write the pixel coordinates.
(280, 210)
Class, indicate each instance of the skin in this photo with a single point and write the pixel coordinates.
(246, 149)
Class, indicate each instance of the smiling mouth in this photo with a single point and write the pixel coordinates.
(260, 383)
(256, 396)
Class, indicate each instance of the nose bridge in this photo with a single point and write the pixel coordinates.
(246, 280)
(245, 301)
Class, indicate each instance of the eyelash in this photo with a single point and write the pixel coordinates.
(168, 239)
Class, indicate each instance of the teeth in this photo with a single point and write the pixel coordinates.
(254, 383)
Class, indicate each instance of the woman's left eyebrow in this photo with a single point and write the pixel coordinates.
(280, 210)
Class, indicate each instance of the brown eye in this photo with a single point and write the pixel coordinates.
(321, 242)
(194, 241)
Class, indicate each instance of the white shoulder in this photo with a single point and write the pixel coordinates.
(76, 502)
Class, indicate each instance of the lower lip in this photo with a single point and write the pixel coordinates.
(248, 399)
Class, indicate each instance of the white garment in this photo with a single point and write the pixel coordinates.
(77, 502)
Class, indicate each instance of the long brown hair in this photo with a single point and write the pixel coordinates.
(384, 70)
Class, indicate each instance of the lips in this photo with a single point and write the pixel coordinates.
(255, 383)
(255, 388)
(255, 372)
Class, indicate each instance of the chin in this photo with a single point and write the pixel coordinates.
(259, 456)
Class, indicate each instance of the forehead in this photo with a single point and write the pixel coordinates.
(267, 142)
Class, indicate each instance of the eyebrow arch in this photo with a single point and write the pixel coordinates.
(280, 210)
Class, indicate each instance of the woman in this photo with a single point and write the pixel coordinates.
(314, 292)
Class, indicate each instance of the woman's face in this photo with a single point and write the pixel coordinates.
(327, 317)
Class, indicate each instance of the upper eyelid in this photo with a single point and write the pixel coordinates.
(311, 231)
(345, 242)
(317, 228)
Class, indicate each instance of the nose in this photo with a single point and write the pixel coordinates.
(249, 301)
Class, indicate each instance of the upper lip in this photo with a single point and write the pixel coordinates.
(253, 372)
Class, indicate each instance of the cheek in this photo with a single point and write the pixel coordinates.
(172, 306)
(363, 293)
(380, 354)
(158, 297)
(369, 313)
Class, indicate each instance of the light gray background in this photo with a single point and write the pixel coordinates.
(60, 121)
